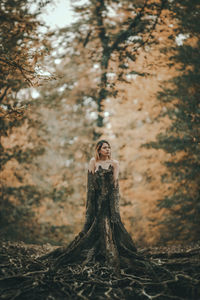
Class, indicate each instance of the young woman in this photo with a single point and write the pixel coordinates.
(103, 238)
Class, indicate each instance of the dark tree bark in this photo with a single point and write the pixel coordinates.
(116, 42)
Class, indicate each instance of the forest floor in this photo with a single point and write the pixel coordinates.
(24, 277)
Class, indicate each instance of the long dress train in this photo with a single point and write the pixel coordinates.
(103, 238)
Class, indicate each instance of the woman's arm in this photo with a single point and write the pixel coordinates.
(91, 166)
(115, 171)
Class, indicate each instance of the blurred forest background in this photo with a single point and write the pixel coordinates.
(127, 71)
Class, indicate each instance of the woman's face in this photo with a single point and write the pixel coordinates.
(105, 150)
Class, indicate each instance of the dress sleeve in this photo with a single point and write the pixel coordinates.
(90, 203)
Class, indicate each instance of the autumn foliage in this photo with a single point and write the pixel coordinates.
(119, 73)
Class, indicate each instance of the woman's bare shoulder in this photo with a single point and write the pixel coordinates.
(92, 160)
(115, 162)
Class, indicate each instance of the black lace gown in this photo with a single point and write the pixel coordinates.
(103, 238)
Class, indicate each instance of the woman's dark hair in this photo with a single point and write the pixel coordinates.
(98, 148)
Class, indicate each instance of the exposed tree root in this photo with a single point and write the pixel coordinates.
(25, 277)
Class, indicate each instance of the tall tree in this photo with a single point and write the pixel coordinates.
(181, 96)
(112, 32)
(20, 49)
